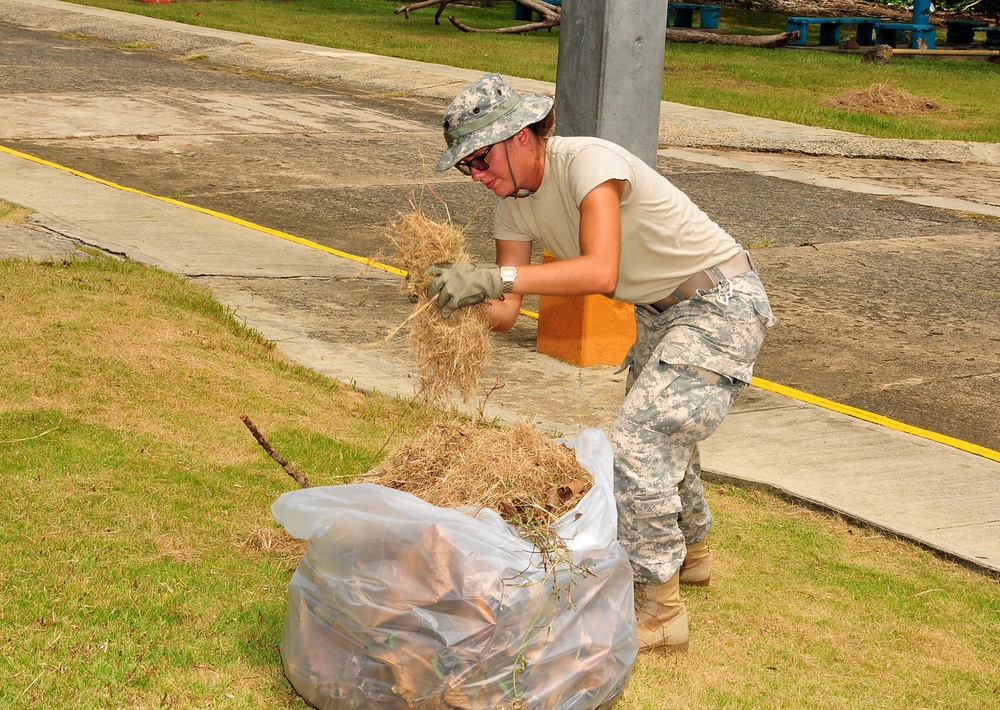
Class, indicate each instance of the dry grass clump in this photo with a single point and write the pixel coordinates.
(450, 353)
(271, 539)
(11, 213)
(884, 100)
(518, 471)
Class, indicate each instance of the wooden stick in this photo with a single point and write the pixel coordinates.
(300, 478)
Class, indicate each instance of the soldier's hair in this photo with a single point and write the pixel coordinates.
(544, 128)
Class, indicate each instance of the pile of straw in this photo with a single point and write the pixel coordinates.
(518, 471)
(884, 100)
(450, 353)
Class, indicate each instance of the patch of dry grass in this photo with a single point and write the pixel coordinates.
(140, 566)
(808, 610)
(11, 213)
(186, 376)
(883, 100)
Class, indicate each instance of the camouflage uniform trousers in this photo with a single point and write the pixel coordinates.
(687, 367)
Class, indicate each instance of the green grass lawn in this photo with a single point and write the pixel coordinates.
(140, 566)
(784, 84)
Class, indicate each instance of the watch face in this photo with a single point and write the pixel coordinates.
(507, 276)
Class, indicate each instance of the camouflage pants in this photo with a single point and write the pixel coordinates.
(687, 367)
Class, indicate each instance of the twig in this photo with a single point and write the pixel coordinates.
(300, 478)
(487, 393)
(29, 438)
(416, 312)
(31, 684)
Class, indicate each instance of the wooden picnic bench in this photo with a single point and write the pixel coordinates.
(681, 14)
(964, 32)
(893, 33)
(829, 29)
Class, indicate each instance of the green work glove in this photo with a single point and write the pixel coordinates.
(458, 285)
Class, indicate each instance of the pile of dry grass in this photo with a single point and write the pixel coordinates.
(11, 213)
(884, 100)
(450, 353)
(519, 472)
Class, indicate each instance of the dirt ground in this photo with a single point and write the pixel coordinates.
(885, 305)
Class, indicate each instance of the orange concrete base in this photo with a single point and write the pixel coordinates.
(585, 330)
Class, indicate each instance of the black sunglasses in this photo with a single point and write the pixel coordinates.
(477, 161)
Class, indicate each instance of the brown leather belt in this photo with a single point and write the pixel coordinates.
(703, 281)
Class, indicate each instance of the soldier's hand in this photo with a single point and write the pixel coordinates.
(458, 285)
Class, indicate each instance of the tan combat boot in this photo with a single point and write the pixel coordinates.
(697, 567)
(661, 617)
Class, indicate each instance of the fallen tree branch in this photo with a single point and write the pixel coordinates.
(551, 16)
(701, 37)
(542, 8)
(519, 29)
(300, 478)
(405, 9)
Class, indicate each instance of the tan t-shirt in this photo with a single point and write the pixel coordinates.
(665, 237)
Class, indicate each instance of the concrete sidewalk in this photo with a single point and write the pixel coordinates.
(898, 482)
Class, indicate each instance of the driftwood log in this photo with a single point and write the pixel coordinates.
(701, 37)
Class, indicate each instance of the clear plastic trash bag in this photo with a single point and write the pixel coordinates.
(401, 604)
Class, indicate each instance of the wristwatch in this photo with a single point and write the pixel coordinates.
(507, 276)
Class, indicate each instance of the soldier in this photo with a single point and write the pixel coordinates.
(619, 229)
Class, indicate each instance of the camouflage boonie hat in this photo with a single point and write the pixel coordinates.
(488, 111)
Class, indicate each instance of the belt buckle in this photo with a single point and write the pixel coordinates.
(724, 294)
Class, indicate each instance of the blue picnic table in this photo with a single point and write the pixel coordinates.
(681, 14)
(829, 29)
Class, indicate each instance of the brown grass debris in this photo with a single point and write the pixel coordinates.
(271, 539)
(11, 213)
(450, 353)
(884, 100)
(527, 477)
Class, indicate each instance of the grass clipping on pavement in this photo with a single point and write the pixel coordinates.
(450, 353)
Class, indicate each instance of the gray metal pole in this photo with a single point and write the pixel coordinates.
(610, 72)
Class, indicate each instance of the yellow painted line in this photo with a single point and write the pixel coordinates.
(876, 419)
(757, 382)
(213, 213)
